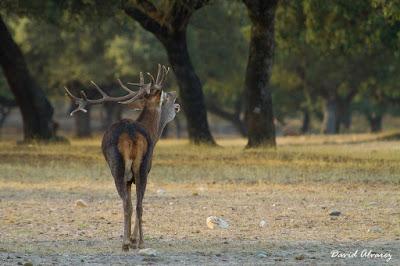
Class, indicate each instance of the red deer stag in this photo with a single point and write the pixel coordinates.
(128, 145)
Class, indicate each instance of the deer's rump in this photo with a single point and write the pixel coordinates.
(115, 159)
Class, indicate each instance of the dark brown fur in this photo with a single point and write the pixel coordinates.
(128, 147)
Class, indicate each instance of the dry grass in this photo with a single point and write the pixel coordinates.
(293, 188)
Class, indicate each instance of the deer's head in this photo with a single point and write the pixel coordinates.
(169, 108)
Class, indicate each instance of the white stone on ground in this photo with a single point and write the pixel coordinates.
(262, 223)
(375, 229)
(148, 252)
(81, 203)
(214, 221)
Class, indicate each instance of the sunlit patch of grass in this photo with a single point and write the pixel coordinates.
(294, 160)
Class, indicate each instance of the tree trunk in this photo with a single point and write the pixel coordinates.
(306, 122)
(170, 28)
(113, 113)
(375, 122)
(36, 110)
(5, 108)
(83, 127)
(190, 88)
(258, 101)
(344, 115)
(329, 124)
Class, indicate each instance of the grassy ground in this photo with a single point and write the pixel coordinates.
(293, 188)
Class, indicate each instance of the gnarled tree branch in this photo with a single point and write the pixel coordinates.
(147, 15)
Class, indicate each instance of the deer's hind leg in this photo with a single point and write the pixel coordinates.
(127, 205)
(140, 189)
(125, 147)
(134, 236)
(116, 164)
(140, 180)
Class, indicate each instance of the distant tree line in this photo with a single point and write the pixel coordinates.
(251, 62)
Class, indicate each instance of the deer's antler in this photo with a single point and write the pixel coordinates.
(161, 75)
(144, 88)
(83, 101)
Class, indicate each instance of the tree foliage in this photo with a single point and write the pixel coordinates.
(347, 51)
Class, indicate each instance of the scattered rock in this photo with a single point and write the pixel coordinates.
(335, 213)
(262, 223)
(262, 254)
(160, 191)
(149, 252)
(299, 257)
(214, 221)
(375, 229)
(81, 203)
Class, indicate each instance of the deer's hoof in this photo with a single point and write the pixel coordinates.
(141, 245)
(125, 247)
(133, 243)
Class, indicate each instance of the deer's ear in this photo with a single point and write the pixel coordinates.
(138, 104)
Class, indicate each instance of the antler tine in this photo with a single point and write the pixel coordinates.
(166, 70)
(165, 73)
(70, 95)
(161, 75)
(152, 77)
(80, 102)
(160, 81)
(125, 87)
(99, 89)
(158, 74)
(79, 108)
(141, 80)
(84, 96)
(145, 89)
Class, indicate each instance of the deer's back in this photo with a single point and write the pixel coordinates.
(127, 139)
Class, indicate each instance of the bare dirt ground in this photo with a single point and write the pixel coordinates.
(40, 224)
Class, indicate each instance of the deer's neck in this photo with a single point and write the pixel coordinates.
(149, 118)
(162, 124)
